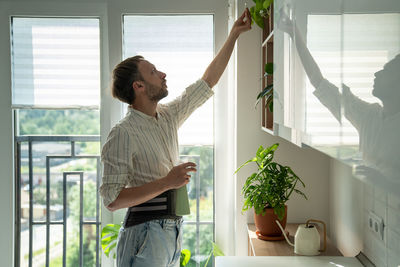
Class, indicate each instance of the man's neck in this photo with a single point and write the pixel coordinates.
(146, 107)
(390, 108)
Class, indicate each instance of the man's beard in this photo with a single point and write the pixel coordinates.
(155, 93)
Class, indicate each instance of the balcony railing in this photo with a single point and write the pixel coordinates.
(45, 216)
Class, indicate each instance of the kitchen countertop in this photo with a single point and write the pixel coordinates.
(285, 261)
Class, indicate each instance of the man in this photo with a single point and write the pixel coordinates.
(140, 157)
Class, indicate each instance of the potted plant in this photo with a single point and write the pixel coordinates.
(267, 191)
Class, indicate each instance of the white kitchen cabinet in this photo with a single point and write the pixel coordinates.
(341, 98)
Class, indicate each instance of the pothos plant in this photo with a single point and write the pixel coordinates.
(272, 184)
(267, 92)
(260, 11)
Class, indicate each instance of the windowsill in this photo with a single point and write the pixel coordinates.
(259, 247)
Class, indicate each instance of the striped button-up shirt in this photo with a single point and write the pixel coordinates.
(141, 149)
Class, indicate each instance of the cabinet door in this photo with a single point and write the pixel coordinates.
(336, 81)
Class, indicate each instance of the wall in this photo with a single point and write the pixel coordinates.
(350, 202)
(6, 148)
(311, 165)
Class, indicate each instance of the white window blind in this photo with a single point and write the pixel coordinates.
(55, 62)
(181, 46)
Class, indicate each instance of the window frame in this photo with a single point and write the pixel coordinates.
(197, 223)
(224, 102)
(110, 15)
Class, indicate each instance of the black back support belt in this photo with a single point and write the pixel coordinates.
(160, 207)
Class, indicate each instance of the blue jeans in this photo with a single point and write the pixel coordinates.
(155, 243)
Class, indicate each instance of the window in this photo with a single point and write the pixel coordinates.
(55, 97)
(182, 46)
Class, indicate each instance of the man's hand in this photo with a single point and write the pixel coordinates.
(179, 176)
(243, 23)
(285, 24)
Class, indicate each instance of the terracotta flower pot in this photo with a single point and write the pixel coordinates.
(266, 224)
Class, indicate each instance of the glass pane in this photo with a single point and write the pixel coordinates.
(87, 148)
(206, 239)
(189, 242)
(58, 122)
(89, 197)
(183, 50)
(207, 184)
(201, 184)
(73, 202)
(56, 245)
(39, 246)
(55, 62)
(39, 180)
(89, 245)
(24, 247)
(192, 186)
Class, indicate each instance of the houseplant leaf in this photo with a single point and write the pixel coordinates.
(185, 257)
(247, 162)
(216, 251)
(269, 68)
(109, 236)
(255, 15)
(267, 4)
(270, 103)
(266, 91)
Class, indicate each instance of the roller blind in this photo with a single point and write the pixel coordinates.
(182, 46)
(55, 62)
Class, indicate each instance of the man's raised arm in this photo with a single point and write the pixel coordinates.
(218, 65)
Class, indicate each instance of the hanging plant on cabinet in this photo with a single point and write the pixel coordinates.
(261, 11)
(267, 92)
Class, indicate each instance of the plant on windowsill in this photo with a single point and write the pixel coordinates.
(267, 92)
(267, 191)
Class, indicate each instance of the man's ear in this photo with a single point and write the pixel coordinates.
(138, 85)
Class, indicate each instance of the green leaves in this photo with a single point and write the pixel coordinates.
(216, 251)
(185, 257)
(260, 10)
(269, 68)
(267, 4)
(256, 17)
(271, 186)
(267, 92)
(247, 162)
(109, 236)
